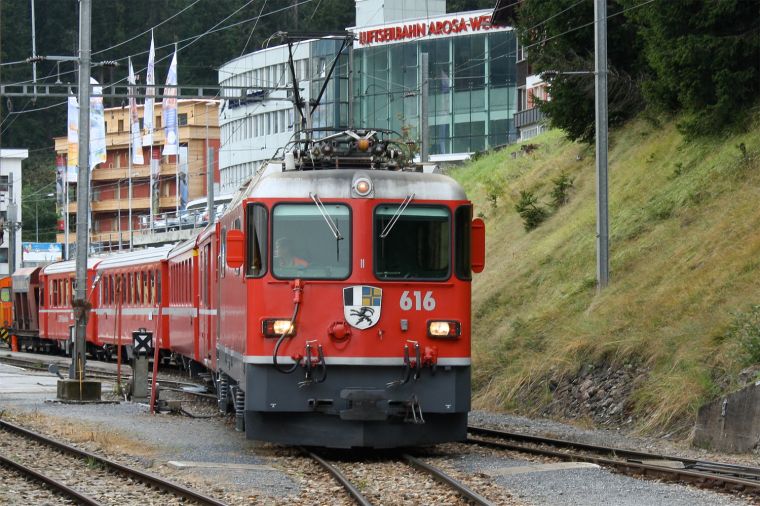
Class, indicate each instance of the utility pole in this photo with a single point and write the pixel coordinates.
(602, 206)
(12, 210)
(76, 387)
(209, 177)
(425, 89)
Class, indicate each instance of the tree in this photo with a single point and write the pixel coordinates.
(559, 36)
(705, 60)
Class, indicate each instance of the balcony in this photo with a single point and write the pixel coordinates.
(527, 117)
(113, 205)
(122, 173)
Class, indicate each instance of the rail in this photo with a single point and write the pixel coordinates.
(340, 478)
(54, 485)
(444, 478)
(152, 480)
(700, 472)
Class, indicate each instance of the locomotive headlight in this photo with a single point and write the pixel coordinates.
(362, 187)
(276, 328)
(446, 329)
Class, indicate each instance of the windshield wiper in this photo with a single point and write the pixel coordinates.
(330, 223)
(396, 216)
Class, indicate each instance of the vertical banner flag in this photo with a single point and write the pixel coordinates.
(97, 126)
(72, 153)
(155, 184)
(134, 120)
(169, 107)
(150, 93)
(60, 168)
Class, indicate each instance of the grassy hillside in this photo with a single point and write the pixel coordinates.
(685, 270)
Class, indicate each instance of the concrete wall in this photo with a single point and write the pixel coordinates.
(732, 423)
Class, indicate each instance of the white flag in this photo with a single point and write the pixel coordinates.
(72, 155)
(169, 108)
(150, 93)
(97, 126)
(134, 120)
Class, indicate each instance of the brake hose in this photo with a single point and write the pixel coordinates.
(297, 293)
(277, 366)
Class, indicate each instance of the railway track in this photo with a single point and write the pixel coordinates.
(50, 484)
(707, 474)
(87, 470)
(468, 495)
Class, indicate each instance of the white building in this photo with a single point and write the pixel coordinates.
(10, 205)
(252, 129)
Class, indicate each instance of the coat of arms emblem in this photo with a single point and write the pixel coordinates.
(361, 305)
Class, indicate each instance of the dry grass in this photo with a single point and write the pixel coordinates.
(80, 433)
(684, 257)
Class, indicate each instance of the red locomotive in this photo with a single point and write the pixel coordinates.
(331, 301)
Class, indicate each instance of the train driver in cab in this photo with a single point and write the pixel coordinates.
(283, 254)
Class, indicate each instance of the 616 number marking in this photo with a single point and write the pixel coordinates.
(426, 302)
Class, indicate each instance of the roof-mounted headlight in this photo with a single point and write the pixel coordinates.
(362, 186)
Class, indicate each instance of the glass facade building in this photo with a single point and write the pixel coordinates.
(472, 83)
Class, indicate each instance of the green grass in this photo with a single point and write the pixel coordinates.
(685, 250)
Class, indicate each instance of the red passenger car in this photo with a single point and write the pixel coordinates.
(182, 302)
(56, 296)
(130, 290)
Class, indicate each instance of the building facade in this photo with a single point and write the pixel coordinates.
(181, 177)
(471, 85)
(10, 208)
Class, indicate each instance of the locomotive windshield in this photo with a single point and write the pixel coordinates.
(304, 246)
(417, 247)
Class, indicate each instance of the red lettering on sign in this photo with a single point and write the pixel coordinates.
(411, 31)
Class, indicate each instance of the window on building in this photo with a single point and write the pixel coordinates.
(120, 125)
(157, 123)
(3, 183)
(182, 119)
(469, 62)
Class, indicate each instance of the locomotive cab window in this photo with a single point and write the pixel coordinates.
(462, 228)
(256, 223)
(416, 246)
(311, 242)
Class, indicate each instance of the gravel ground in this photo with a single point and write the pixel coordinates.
(586, 486)
(129, 434)
(17, 491)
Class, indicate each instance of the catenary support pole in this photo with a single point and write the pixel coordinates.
(602, 206)
(425, 89)
(78, 362)
(209, 176)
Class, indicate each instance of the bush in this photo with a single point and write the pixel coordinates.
(562, 185)
(745, 330)
(529, 210)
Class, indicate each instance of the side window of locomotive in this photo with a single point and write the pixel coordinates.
(413, 243)
(256, 237)
(223, 252)
(311, 243)
(5, 295)
(462, 224)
